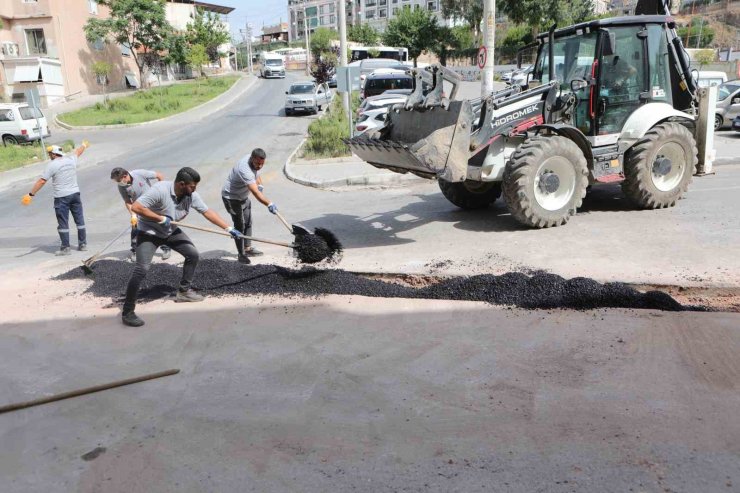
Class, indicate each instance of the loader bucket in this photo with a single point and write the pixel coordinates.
(431, 142)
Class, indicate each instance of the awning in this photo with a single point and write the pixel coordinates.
(52, 74)
(131, 80)
(27, 73)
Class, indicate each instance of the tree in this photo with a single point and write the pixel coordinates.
(471, 11)
(140, 25)
(698, 34)
(415, 29)
(704, 57)
(102, 71)
(442, 46)
(207, 30)
(176, 49)
(324, 68)
(197, 57)
(321, 40)
(516, 38)
(363, 34)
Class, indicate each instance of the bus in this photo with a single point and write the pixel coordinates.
(363, 52)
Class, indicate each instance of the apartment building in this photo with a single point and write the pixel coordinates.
(311, 14)
(43, 45)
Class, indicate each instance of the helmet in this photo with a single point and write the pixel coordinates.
(55, 150)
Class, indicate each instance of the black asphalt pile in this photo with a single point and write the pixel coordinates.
(222, 277)
(322, 245)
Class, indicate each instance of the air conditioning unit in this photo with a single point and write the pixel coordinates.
(10, 49)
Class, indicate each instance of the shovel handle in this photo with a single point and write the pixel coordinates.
(224, 233)
(282, 220)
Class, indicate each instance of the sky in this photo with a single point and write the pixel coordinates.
(256, 12)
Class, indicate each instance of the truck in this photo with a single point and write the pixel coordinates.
(608, 101)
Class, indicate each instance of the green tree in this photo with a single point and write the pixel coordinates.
(363, 34)
(415, 29)
(176, 49)
(207, 30)
(140, 25)
(704, 57)
(471, 11)
(443, 44)
(516, 37)
(698, 34)
(102, 70)
(197, 57)
(321, 40)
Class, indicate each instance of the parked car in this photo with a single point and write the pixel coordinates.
(370, 120)
(272, 66)
(378, 84)
(370, 65)
(18, 123)
(736, 124)
(709, 78)
(728, 104)
(392, 96)
(521, 77)
(307, 97)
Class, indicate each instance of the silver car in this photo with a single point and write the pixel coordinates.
(728, 104)
(307, 97)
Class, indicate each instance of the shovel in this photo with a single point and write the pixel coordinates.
(294, 229)
(224, 233)
(87, 264)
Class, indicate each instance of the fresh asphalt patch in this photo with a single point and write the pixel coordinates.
(219, 277)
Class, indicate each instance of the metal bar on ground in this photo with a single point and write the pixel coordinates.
(88, 390)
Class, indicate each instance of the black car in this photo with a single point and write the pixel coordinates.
(379, 83)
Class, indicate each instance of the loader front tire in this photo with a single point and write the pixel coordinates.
(470, 194)
(658, 169)
(545, 181)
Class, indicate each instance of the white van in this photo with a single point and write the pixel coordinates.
(18, 123)
(273, 65)
(708, 78)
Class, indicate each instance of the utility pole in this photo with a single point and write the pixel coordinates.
(308, 46)
(346, 102)
(489, 38)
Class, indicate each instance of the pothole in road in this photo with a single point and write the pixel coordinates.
(541, 290)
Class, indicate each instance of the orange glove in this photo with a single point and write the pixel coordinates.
(134, 220)
(85, 144)
(26, 199)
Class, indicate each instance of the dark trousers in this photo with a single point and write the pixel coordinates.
(145, 248)
(241, 215)
(135, 233)
(62, 207)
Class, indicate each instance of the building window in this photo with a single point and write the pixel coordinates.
(125, 49)
(93, 6)
(102, 79)
(382, 13)
(36, 42)
(332, 19)
(395, 10)
(370, 14)
(331, 8)
(322, 21)
(432, 5)
(370, 3)
(382, 2)
(417, 7)
(321, 9)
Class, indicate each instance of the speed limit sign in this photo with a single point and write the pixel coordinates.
(482, 56)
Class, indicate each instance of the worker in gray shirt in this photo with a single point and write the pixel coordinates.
(244, 179)
(131, 186)
(164, 202)
(62, 171)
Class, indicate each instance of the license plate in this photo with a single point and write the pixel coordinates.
(301, 108)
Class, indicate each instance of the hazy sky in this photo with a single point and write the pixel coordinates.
(257, 12)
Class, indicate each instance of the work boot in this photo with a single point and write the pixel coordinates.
(82, 247)
(132, 256)
(131, 320)
(65, 250)
(243, 259)
(166, 253)
(253, 252)
(188, 296)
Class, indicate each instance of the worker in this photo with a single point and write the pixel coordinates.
(242, 180)
(617, 73)
(62, 171)
(164, 202)
(131, 186)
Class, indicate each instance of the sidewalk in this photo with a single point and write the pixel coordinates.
(343, 172)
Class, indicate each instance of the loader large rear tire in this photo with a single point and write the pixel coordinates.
(545, 181)
(470, 194)
(658, 169)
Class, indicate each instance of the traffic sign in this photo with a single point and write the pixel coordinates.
(482, 56)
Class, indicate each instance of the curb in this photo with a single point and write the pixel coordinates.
(357, 180)
(232, 93)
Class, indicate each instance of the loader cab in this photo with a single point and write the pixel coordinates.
(612, 66)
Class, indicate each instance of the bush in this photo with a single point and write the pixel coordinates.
(325, 134)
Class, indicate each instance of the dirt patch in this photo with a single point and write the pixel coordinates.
(719, 299)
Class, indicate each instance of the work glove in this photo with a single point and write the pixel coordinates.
(85, 144)
(233, 232)
(272, 208)
(27, 199)
(260, 188)
(166, 221)
(134, 220)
